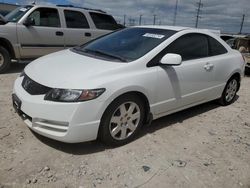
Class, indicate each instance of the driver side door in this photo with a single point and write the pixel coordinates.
(44, 37)
(189, 83)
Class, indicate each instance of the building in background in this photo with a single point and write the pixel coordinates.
(5, 8)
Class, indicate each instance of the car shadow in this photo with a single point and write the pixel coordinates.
(179, 117)
(83, 148)
(15, 68)
(97, 146)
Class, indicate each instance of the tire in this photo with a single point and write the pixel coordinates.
(247, 71)
(122, 120)
(230, 90)
(4, 60)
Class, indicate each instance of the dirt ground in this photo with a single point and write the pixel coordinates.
(205, 146)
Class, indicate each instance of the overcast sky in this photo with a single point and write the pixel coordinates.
(225, 15)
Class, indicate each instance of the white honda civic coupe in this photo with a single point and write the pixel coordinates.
(112, 86)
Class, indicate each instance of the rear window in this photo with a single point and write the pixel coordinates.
(103, 21)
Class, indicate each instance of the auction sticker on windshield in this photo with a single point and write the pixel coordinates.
(152, 35)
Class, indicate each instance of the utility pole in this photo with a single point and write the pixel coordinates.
(140, 19)
(175, 12)
(154, 18)
(199, 5)
(242, 22)
(124, 19)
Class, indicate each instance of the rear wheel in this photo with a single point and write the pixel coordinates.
(4, 60)
(122, 120)
(230, 91)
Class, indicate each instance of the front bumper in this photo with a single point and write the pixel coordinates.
(66, 122)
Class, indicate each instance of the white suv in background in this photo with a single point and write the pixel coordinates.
(32, 31)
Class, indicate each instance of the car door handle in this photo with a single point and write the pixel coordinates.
(59, 33)
(208, 66)
(87, 34)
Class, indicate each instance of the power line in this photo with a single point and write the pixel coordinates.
(199, 5)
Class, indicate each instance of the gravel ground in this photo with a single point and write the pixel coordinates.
(205, 146)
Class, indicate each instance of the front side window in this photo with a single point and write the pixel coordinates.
(17, 14)
(190, 46)
(125, 45)
(46, 17)
(103, 21)
(75, 19)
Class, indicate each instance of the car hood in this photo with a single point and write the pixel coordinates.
(69, 70)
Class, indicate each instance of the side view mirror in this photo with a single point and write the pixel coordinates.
(171, 59)
(29, 22)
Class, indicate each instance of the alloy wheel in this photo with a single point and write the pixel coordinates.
(124, 120)
(231, 90)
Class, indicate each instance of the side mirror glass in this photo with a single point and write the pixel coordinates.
(29, 22)
(171, 59)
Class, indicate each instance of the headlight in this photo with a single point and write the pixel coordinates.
(73, 95)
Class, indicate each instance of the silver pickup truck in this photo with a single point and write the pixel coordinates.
(31, 31)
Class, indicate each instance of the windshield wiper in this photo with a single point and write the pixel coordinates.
(105, 54)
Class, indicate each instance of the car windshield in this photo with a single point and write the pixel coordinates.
(17, 14)
(125, 45)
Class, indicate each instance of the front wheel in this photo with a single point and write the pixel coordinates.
(122, 120)
(4, 59)
(230, 91)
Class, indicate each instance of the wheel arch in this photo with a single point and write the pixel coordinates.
(237, 75)
(139, 93)
(8, 46)
(144, 99)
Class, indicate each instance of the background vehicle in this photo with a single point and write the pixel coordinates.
(243, 45)
(32, 31)
(117, 83)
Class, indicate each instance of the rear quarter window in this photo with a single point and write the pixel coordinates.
(215, 47)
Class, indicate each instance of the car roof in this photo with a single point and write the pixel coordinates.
(174, 28)
(180, 28)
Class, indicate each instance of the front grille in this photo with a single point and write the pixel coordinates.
(33, 87)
